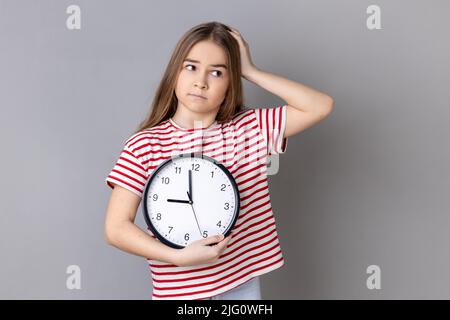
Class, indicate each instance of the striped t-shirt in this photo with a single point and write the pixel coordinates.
(243, 146)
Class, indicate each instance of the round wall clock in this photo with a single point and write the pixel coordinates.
(189, 197)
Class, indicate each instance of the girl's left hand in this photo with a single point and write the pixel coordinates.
(247, 65)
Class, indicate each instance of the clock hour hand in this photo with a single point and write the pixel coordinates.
(179, 201)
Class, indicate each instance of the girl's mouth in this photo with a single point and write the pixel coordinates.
(197, 96)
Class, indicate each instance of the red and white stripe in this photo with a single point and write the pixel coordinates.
(242, 145)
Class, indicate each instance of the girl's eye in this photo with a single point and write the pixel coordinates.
(219, 72)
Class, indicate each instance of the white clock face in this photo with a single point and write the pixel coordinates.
(190, 198)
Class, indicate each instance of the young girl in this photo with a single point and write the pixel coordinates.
(198, 107)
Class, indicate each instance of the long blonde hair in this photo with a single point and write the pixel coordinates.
(165, 101)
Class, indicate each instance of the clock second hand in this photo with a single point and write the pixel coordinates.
(192, 206)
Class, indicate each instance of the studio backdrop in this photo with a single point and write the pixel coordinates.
(361, 200)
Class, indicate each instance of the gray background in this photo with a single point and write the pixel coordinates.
(367, 186)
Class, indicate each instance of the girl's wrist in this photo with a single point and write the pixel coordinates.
(250, 74)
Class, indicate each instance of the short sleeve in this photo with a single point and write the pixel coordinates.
(272, 124)
(128, 172)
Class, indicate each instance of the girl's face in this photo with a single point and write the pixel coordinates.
(204, 72)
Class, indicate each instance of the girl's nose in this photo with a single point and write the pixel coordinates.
(201, 85)
(200, 81)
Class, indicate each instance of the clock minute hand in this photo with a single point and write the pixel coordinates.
(190, 184)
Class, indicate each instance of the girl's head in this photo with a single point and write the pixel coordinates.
(190, 71)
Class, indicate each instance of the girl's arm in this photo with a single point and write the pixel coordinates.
(121, 232)
(306, 106)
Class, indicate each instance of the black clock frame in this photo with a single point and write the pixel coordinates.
(160, 167)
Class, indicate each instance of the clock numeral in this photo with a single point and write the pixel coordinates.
(170, 229)
(227, 206)
(223, 187)
(165, 180)
(205, 234)
(212, 174)
(155, 197)
(186, 237)
(177, 169)
(195, 167)
(219, 224)
(158, 216)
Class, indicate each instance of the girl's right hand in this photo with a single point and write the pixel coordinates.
(201, 251)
